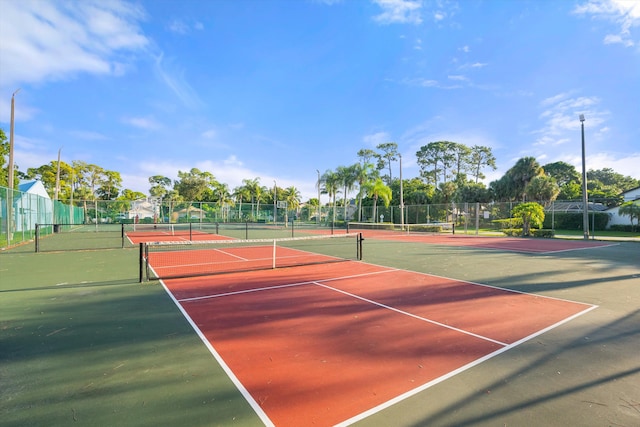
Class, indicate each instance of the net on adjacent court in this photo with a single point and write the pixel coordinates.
(165, 260)
(425, 228)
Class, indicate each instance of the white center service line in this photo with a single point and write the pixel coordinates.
(424, 319)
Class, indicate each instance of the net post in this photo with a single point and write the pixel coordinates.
(141, 262)
(217, 228)
(360, 239)
(453, 228)
(246, 230)
(332, 224)
(274, 254)
(190, 231)
(347, 227)
(292, 226)
(37, 238)
(122, 234)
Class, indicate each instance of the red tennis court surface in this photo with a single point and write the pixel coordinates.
(516, 244)
(160, 235)
(331, 344)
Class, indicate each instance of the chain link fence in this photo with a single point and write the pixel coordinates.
(20, 212)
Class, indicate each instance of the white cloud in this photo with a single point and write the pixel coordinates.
(88, 135)
(376, 138)
(145, 123)
(173, 77)
(56, 40)
(180, 27)
(561, 117)
(209, 134)
(399, 12)
(625, 14)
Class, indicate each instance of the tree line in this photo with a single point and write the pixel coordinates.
(449, 172)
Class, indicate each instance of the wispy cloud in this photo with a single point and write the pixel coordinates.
(57, 40)
(88, 135)
(181, 27)
(173, 77)
(399, 12)
(560, 117)
(144, 123)
(374, 139)
(625, 14)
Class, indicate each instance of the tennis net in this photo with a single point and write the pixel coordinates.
(166, 260)
(385, 227)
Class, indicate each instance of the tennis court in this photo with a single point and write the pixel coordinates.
(426, 330)
(329, 344)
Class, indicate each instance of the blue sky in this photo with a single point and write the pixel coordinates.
(280, 89)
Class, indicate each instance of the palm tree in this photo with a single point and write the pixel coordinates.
(224, 199)
(632, 210)
(521, 174)
(241, 193)
(379, 190)
(255, 190)
(363, 173)
(347, 176)
(331, 181)
(292, 197)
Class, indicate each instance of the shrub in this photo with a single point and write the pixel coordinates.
(512, 232)
(543, 232)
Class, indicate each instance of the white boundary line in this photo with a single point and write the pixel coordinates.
(424, 319)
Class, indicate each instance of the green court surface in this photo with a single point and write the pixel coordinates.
(83, 343)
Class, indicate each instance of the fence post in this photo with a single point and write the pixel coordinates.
(37, 238)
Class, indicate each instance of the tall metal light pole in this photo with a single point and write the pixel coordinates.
(10, 173)
(585, 200)
(11, 127)
(401, 196)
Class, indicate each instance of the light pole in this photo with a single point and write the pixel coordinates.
(401, 196)
(12, 125)
(10, 173)
(585, 200)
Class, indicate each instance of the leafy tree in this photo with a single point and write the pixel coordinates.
(193, 185)
(562, 172)
(632, 210)
(531, 213)
(110, 185)
(47, 175)
(480, 158)
(472, 192)
(131, 195)
(570, 191)
(159, 185)
(435, 160)
(461, 160)
(366, 155)
(616, 182)
(416, 192)
(389, 154)
(4, 159)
